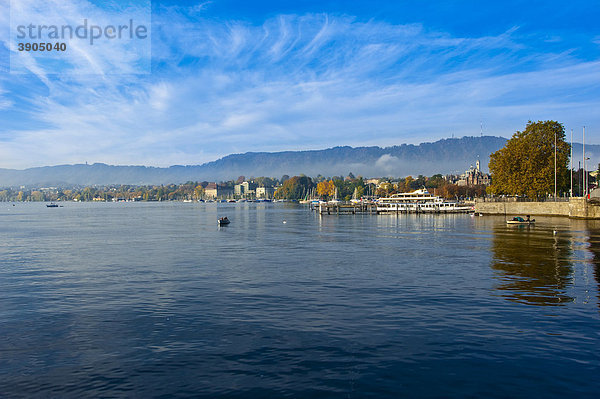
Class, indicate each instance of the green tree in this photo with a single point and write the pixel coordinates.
(525, 166)
(436, 181)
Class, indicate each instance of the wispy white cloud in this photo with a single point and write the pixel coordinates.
(295, 82)
(83, 55)
(5, 102)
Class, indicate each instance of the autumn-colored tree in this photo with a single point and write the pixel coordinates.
(407, 183)
(326, 188)
(525, 166)
(198, 192)
(385, 189)
(37, 196)
(401, 186)
(294, 188)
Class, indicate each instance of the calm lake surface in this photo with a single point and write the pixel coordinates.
(155, 300)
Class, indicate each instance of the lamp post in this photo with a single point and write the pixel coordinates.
(580, 180)
(584, 174)
(587, 180)
(555, 165)
(571, 192)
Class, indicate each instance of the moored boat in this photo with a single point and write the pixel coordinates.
(520, 221)
(420, 201)
(223, 221)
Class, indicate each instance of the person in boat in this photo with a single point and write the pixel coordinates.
(518, 219)
(528, 218)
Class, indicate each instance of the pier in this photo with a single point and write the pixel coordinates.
(375, 209)
(340, 208)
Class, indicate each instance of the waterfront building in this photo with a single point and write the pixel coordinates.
(214, 190)
(245, 189)
(265, 192)
(474, 177)
(238, 190)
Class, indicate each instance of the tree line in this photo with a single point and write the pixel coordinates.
(345, 188)
(190, 190)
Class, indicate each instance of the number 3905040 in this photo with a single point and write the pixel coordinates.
(42, 46)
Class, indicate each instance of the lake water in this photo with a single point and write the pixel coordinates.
(155, 300)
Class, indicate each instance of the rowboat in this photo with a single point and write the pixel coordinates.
(223, 221)
(520, 221)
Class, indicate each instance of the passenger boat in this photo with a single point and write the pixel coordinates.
(420, 201)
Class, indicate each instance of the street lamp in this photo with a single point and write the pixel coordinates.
(580, 179)
(586, 179)
(571, 192)
(555, 165)
(584, 174)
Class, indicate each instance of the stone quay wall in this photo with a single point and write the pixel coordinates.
(577, 208)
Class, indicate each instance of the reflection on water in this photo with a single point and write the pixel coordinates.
(534, 264)
(155, 300)
(593, 228)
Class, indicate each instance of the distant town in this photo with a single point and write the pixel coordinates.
(536, 163)
(470, 184)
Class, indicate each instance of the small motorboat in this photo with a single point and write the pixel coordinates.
(52, 205)
(223, 221)
(520, 220)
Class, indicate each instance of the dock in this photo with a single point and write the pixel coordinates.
(337, 209)
(374, 209)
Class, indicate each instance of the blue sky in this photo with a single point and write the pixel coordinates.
(233, 76)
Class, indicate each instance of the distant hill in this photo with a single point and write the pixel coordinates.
(443, 156)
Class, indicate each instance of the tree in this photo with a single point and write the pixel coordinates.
(435, 181)
(525, 165)
(198, 192)
(294, 188)
(408, 182)
(385, 189)
(326, 188)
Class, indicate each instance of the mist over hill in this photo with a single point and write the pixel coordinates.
(443, 156)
